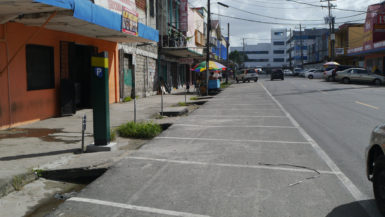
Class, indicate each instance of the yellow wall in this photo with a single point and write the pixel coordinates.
(356, 36)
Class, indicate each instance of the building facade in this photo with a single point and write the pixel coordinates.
(45, 55)
(267, 55)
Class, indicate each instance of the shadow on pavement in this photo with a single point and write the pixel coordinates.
(17, 157)
(355, 209)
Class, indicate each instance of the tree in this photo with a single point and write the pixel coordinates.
(238, 57)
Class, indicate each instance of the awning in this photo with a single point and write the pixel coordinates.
(181, 52)
(80, 17)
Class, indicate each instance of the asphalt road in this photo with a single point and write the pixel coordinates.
(340, 117)
(243, 154)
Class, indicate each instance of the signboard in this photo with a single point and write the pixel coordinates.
(340, 51)
(183, 12)
(117, 5)
(129, 22)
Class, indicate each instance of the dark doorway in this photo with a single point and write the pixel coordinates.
(126, 73)
(76, 71)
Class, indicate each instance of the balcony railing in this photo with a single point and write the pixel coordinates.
(174, 38)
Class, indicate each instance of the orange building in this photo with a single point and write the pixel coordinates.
(45, 57)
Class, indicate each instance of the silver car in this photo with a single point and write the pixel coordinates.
(359, 75)
(375, 165)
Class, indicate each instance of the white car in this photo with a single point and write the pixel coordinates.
(302, 73)
(287, 72)
(314, 74)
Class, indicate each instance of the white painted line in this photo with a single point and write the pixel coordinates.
(136, 208)
(367, 105)
(261, 166)
(231, 140)
(239, 116)
(235, 109)
(356, 193)
(244, 104)
(234, 126)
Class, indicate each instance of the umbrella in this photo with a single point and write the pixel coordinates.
(212, 66)
(331, 64)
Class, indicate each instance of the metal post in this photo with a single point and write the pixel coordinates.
(135, 109)
(300, 39)
(84, 127)
(228, 45)
(208, 46)
(161, 101)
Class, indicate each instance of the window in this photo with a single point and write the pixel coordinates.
(279, 43)
(278, 33)
(40, 67)
(279, 52)
(279, 60)
(257, 52)
(258, 60)
(152, 8)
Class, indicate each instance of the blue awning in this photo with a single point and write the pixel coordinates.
(94, 14)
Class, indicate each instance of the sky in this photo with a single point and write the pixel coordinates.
(280, 11)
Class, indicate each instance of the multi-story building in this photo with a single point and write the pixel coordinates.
(307, 46)
(267, 55)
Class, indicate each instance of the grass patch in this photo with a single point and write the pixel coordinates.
(182, 104)
(127, 99)
(139, 130)
(194, 98)
(17, 183)
(225, 85)
(38, 172)
(112, 134)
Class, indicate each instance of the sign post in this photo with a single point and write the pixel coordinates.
(100, 99)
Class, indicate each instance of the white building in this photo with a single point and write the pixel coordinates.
(267, 55)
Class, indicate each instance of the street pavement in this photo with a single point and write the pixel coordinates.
(241, 154)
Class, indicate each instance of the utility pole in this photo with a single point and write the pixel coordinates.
(300, 41)
(208, 46)
(331, 21)
(228, 45)
(243, 53)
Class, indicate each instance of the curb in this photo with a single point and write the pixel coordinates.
(16, 183)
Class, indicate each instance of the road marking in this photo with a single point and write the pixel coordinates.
(261, 166)
(245, 104)
(367, 105)
(355, 192)
(239, 116)
(231, 140)
(136, 208)
(235, 109)
(235, 126)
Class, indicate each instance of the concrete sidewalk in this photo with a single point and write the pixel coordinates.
(51, 143)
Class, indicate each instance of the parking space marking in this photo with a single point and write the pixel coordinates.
(350, 186)
(235, 109)
(257, 166)
(367, 105)
(235, 126)
(231, 140)
(239, 116)
(135, 208)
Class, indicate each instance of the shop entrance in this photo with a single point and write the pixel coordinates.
(75, 74)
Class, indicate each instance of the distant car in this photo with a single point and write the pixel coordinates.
(296, 71)
(375, 165)
(277, 74)
(359, 75)
(314, 74)
(246, 75)
(302, 73)
(287, 72)
(331, 72)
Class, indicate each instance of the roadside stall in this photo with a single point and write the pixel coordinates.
(215, 70)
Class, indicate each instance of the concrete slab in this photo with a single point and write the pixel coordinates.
(175, 111)
(101, 148)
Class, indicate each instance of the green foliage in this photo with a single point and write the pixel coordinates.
(139, 130)
(225, 85)
(182, 104)
(38, 172)
(112, 134)
(17, 183)
(194, 98)
(238, 57)
(127, 99)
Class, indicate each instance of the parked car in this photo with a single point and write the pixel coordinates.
(287, 72)
(246, 75)
(302, 73)
(375, 165)
(359, 75)
(331, 72)
(314, 74)
(277, 74)
(296, 71)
